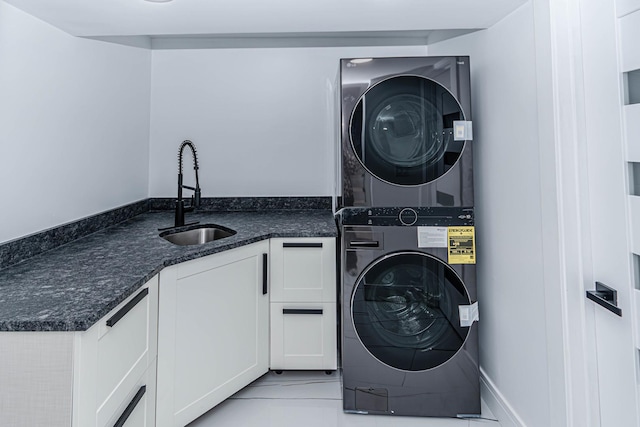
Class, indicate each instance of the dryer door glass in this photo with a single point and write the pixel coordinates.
(402, 130)
(405, 311)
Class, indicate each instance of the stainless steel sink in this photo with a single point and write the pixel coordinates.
(197, 235)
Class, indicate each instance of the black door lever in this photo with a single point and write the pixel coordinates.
(606, 297)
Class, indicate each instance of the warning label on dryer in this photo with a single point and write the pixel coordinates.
(462, 245)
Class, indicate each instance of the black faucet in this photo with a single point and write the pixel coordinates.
(195, 198)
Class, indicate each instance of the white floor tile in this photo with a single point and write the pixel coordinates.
(310, 399)
(293, 385)
(308, 413)
(263, 412)
(484, 422)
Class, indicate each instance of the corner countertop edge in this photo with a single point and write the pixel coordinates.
(70, 288)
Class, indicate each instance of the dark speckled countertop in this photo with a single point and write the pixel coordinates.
(71, 287)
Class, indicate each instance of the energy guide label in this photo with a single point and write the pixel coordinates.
(462, 245)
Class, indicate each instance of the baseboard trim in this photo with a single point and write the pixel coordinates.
(497, 403)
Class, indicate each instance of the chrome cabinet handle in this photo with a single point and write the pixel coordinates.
(606, 297)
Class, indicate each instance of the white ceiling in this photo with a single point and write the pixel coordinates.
(107, 18)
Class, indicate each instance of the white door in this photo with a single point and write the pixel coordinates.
(593, 136)
(609, 221)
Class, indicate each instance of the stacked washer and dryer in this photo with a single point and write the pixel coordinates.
(408, 292)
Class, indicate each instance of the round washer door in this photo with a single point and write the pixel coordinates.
(405, 311)
(401, 130)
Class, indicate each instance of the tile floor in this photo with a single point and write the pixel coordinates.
(310, 399)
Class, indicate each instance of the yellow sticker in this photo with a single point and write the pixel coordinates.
(462, 245)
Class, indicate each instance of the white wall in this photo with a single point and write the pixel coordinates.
(75, 116)
(263, 120)
(513, 342)
(74, 125)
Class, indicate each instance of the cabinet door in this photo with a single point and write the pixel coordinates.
(303, 269)
(213, 333)
(303, 336)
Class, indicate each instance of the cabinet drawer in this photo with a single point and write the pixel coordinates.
(303, 269)
(303, 336)
(126, 348)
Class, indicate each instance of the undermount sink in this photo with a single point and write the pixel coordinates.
(197, 235)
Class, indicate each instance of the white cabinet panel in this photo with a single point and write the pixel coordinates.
(36, 378)
(629, 36)
(214, 331)
(303, 336)
(303, 269)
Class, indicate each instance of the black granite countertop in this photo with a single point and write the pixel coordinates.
(71, 287)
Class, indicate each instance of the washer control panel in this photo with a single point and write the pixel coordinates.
(407, 216)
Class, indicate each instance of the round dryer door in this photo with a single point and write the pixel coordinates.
(402, 130)
(405, 311)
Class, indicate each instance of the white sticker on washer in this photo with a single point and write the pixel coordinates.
(462, 130)
(432, 237)
(468, 314)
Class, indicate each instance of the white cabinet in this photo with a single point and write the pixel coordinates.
(202, 330)
(303, 269)
(84, 379)
(115, 373)
(214, 331)
(303, 303)
(303, 336)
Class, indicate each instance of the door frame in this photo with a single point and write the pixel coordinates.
(563, 198)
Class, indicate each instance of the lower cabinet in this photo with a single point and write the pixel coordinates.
(303, 303)
(84, 379)
(213, 337)
(181, 344)
(303, 336)
(117, 359)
